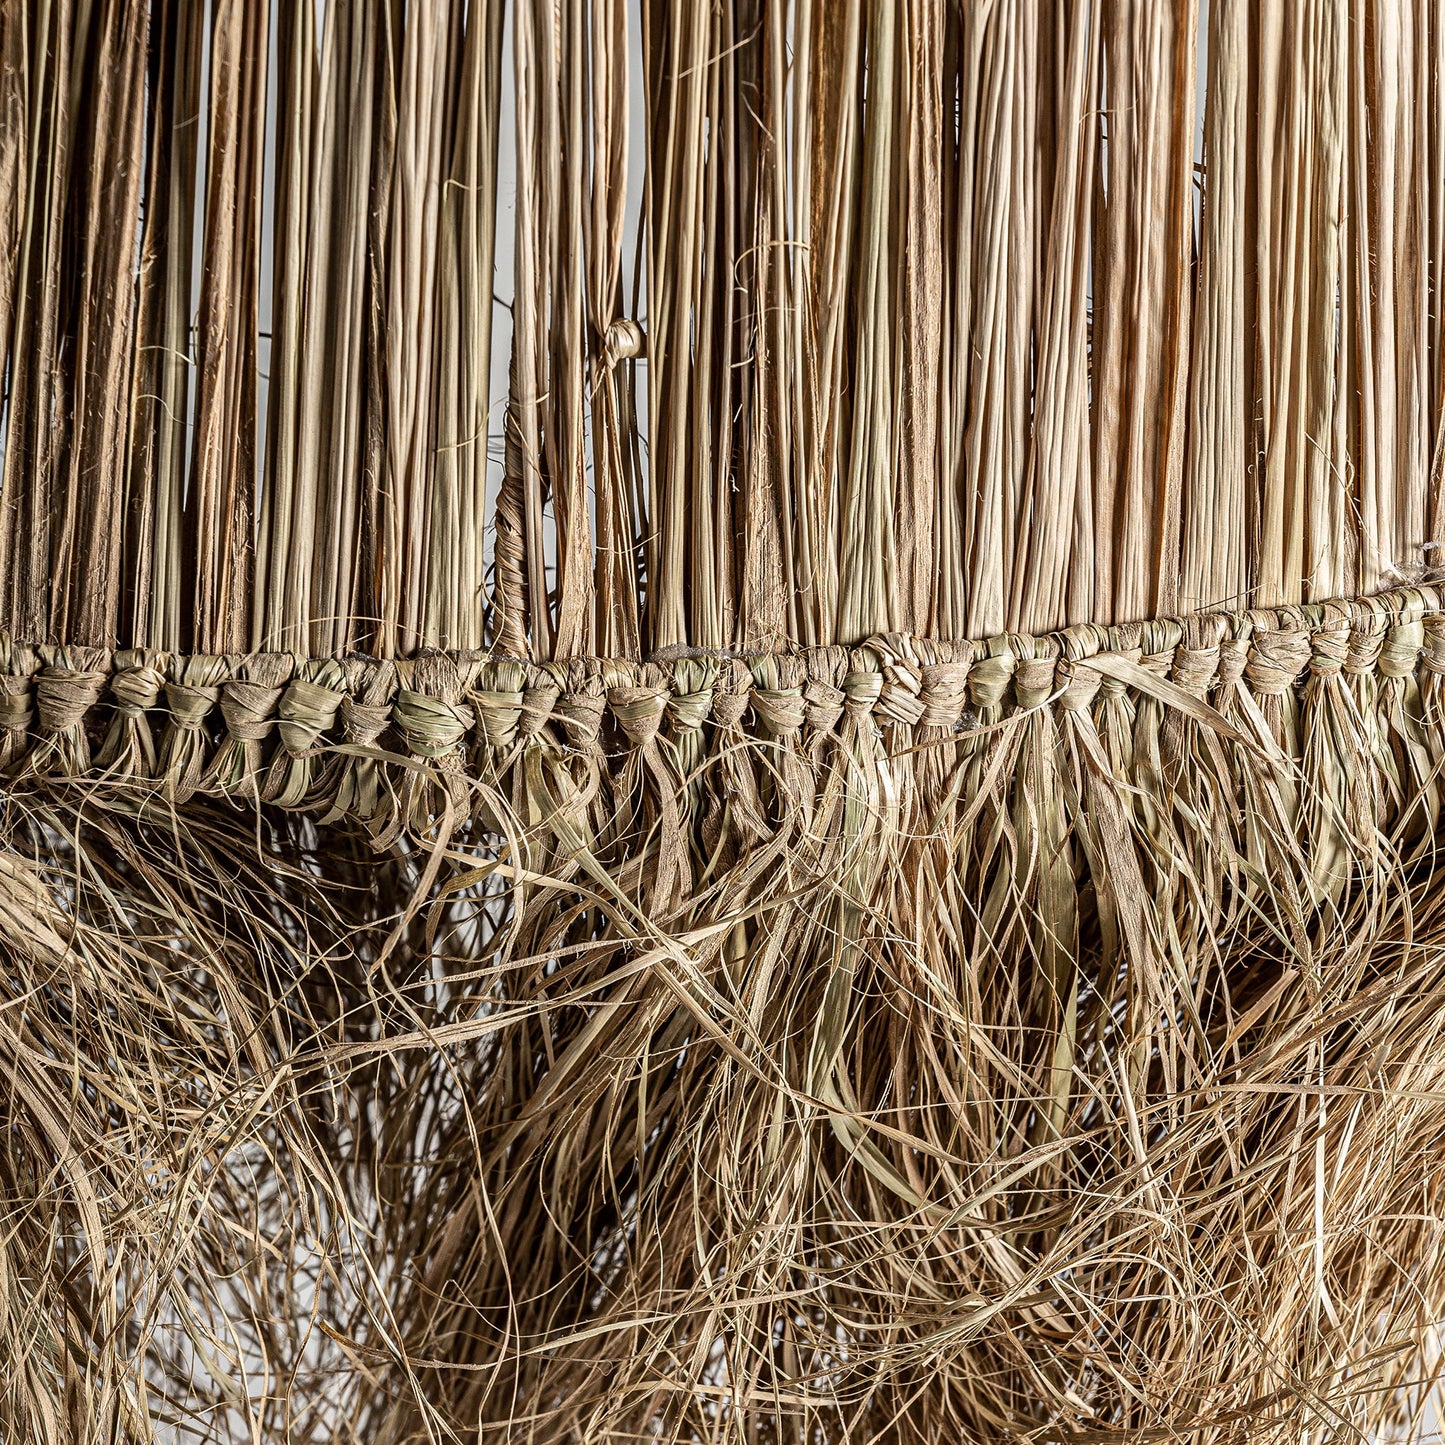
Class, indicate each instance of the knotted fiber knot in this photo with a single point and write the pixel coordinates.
(1401, 651)
(862, 691)
(136, 690)
(249, 709)
(899, 700)
(64, 696)
(989, 678)
(1433, 658)
(1033, 682)
(828, 664)
(1124, 640)
(1233, 659)
(688, 711)
(308, 709)
(1079, 685)
(370, 686)
(581, 715)
(944, 694)
(728, 708)
(689, 704)
(354, 786)
(622, 340)
(362, 724)
(190, 704)
(1367, 640)
(15, 710)
(1331, 646)
(781, 711)
(135, 687)
(538, 700)
(824, 705)
(730, 694)
(432, 728)
(496, 703)
(1111, 688)
(638, 711)
(1159, 640)
(499, 715)
(1157, 663)
(1276, 661)
(1195, 668)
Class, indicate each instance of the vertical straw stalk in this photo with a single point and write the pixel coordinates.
(850, 854)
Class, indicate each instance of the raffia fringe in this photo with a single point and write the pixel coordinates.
(1110, 899)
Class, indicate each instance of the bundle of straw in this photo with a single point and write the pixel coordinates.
(815, 823)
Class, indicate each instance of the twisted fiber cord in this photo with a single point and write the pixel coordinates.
(1276, 649)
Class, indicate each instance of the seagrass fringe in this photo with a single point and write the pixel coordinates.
(353, 738)
(522, 920)
(1030, 1040)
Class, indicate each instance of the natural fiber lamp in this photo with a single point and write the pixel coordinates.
(866, 871)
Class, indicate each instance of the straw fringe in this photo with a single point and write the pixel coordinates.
(954, 1040)
(707, 1002)
(1323, 686)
